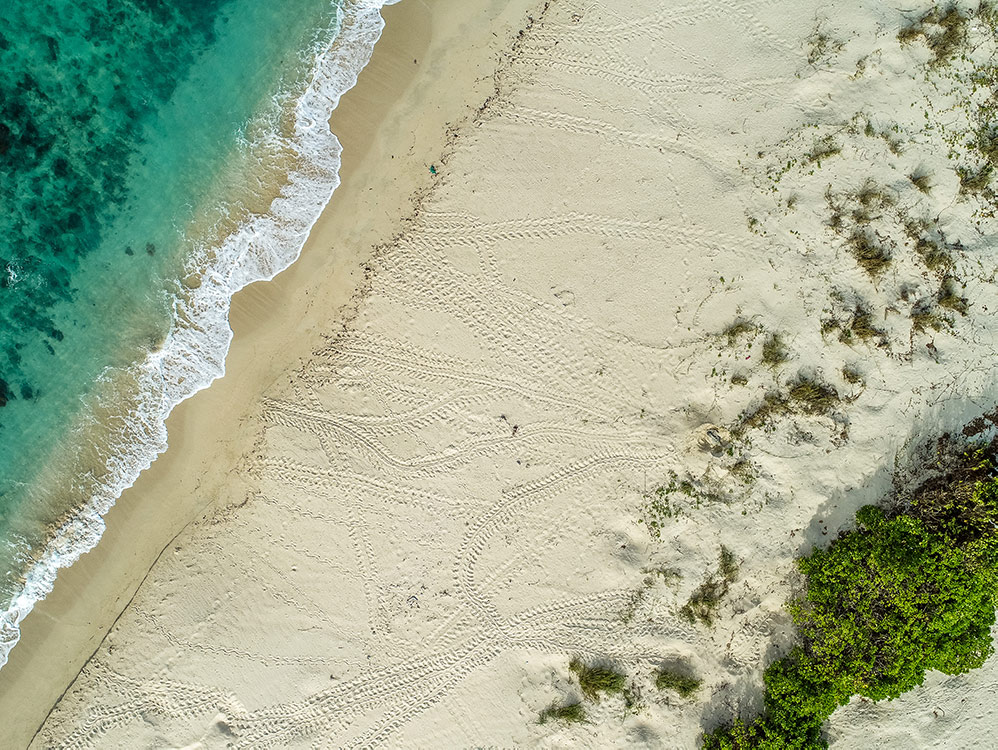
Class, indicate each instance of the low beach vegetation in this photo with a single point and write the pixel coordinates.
(870, 200)
(706, 598)
(852, 375)
(908, 590)
(744, 470)
(807, 395)
(924, 316)
(677, 497)
(811, 396)
(822, 150)
(595, 681)
(860, 326)
(738, 329)
(973, 181)
(678, 681)
(869, 253)
(950, 298)
(569, 713)
(774, 351)
(922, 181)
(944, 32)
(933, 255)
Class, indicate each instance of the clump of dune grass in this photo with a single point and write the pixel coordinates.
(807, 395)
(908, 34)
(861, 325)
(952, 36)
(933, 255)
(829, 326)
(772, 405)
(871, 199)
(774, 351)
(987, 142)
(678, 682)
(974, 181)
(813, 397)
(943, 31)
(922, 181)
(852, 375)
(706, 598)
(950, 299)
(924, 316)
(594, 681)
(571, 713)
(739, 379)
(744, 470)
(987, 12)
(737, 329)
(871, 256)
(727, 564)
(821, 150)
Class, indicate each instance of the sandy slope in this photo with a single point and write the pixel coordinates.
(452, 494)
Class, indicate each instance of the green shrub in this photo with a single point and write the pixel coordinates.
(961, 505)
(889, 601)
(596, 680)
(885, 603)
(762, 734)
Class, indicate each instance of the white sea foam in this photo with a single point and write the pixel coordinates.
(193, 355)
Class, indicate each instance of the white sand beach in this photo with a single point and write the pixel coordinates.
(490, 421)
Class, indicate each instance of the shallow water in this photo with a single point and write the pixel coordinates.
(142, 146)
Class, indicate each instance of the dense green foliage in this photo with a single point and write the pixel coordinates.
(885, 603)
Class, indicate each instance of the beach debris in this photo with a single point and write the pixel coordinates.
(712, 438)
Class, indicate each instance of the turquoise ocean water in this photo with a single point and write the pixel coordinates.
(155, 157)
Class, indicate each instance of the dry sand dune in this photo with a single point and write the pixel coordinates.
(457, 491)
